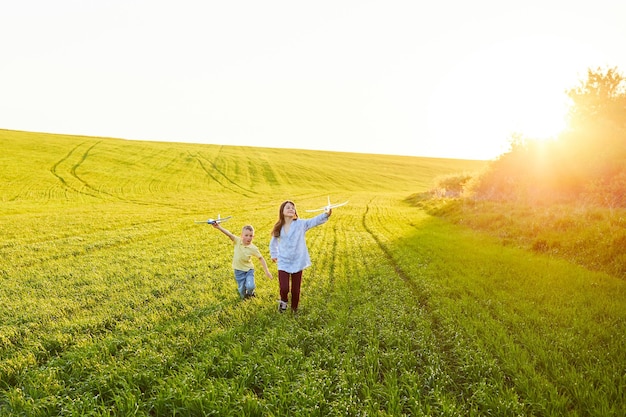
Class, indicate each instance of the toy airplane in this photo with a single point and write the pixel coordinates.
(329, 206)
(213, 221)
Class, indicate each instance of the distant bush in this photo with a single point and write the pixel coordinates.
(451, 185)
(444, 187)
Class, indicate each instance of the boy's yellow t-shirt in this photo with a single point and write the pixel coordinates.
(242, 258)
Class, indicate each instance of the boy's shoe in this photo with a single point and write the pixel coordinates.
(282, 306)
(250, 295)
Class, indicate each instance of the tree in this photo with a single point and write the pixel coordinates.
(599, 98)
(597, 136)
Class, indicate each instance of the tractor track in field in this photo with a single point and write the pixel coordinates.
(444, 335)
(319, 282)
(94, 192)
(422, 299)
(333, 259)
(221, 178)
(64, 181)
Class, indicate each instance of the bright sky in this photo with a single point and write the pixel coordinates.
(450, 78)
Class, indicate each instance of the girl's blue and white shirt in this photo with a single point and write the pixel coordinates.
(290, 249)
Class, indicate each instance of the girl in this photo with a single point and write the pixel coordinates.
(288, 248)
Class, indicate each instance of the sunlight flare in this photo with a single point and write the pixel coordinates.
(505, 89)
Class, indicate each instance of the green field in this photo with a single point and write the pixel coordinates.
(114, 302)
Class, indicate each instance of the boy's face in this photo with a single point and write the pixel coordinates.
(246, 236)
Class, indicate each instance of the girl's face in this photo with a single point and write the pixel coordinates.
(289, 210)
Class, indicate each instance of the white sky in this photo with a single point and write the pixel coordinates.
(440, 78)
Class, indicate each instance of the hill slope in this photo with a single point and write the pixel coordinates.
(114, 302)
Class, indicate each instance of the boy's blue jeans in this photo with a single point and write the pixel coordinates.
(245, 282)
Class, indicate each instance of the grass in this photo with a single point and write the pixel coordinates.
(593, 237)
(114, 302)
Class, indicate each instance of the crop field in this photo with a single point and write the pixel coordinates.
(114, 302)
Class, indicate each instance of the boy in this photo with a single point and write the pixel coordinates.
(242, 260)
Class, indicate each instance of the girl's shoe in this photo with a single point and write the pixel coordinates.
(282, 306)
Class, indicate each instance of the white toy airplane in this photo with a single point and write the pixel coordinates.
(329, 206)
(213, 221)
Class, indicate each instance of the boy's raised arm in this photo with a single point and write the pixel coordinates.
(226, 232)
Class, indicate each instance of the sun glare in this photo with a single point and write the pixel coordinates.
(508, 88)
(540, 117)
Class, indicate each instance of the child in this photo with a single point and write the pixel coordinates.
(242, 260)
(288, 248)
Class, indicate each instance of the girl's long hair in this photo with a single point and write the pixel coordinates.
(281, 218)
